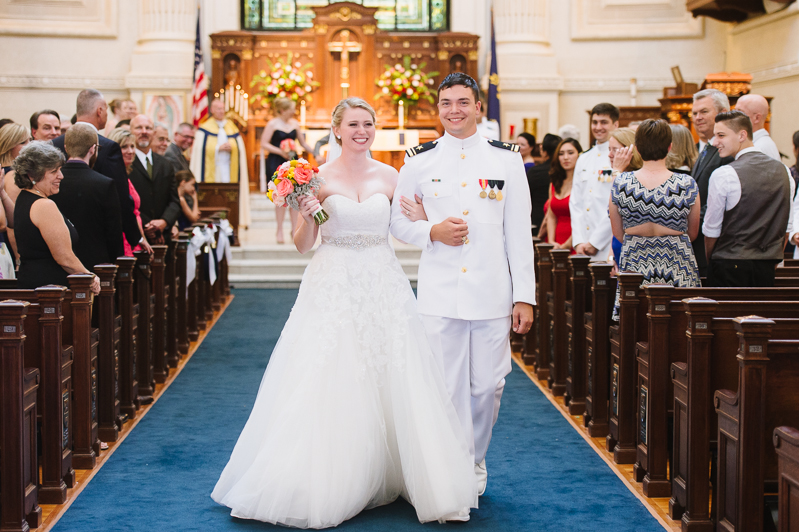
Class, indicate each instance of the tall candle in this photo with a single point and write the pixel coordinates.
(246, 106)
(302, 114)
(401, 114)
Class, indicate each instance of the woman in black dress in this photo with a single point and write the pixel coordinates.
(44, 236)
(283, 126)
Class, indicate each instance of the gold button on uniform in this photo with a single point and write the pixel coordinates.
(463, 155)
(587, 228)
(463, 270)
(465, 212)
(588, 209)
(435, 194)
(463, 184)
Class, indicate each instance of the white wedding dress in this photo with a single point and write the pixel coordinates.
(352, 411)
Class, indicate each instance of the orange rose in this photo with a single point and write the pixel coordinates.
(303, 175)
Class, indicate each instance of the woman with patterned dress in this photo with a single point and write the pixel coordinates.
(655, 214)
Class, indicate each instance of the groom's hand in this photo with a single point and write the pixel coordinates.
(450, 232)
(522, 317)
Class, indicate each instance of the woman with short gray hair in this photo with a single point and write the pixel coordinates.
(44, 236)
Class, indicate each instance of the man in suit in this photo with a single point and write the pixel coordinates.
(89, 200)
(707, 104)
(183, 140)
(92, 109)
(160, 141)
(538, 180)
(45, 125)
(153, 178)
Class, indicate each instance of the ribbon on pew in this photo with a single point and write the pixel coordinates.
(223, 248)
(195, 248)
(209, 231)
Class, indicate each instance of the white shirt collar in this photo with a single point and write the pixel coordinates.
(759, 134)
(463, 144)
(88, 123)
(603, 147)
(744, 151)
(144, 157)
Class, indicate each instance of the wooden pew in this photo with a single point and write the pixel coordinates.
(666, 343)
(556, 301)
(597, 349)
(575, 310)
(110, 324)
(144, 334)
(159, 292)
(767, 397)
(530, 340)
(786, 444)
(712, 343)
(129, 312)
(19, 469)
(171, 280)
(542, 321)
(183, 294)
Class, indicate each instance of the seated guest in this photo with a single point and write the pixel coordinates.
(124, 138)
(89, 200)
(538, 181)
(181, 144)
(623, 158)
(13, 138)
(748, 208)
(44, 236)
(756, 108)
(527, 149)
(154, 179)
(655, 214)
(189, 204)
(558, 216)
(45, 125)
(683, 152)
(160, 140)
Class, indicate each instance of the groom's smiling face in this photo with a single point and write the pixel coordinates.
(458, 110)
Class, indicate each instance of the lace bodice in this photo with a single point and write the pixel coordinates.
(348, 218)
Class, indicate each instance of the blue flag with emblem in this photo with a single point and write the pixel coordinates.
(493, 79)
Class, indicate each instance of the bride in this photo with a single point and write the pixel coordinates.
(352, 411)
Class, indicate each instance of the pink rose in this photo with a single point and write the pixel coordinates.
(284, 188)
(279, 200)
(282, 170)
(303, 175)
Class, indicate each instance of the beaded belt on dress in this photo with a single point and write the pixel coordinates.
(355, 241)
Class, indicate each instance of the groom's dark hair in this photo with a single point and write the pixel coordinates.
(465, 80)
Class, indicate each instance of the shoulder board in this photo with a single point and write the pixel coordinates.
(416, 150)
(504, 145)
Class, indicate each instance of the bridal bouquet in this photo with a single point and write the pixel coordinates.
(288, 145)
(294, 179)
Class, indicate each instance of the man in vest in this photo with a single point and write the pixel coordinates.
(748, 217)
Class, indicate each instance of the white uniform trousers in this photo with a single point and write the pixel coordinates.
(476, 357)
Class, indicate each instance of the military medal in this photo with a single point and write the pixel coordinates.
(483, 184)
(500, 186)
(491, 185)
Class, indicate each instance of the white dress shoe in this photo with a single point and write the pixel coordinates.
(482, 476)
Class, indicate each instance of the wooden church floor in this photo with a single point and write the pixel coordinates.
(51, 513)
(658, 506)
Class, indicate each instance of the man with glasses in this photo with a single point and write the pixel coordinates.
(180, 147)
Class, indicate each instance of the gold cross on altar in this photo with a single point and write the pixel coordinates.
(345, 46)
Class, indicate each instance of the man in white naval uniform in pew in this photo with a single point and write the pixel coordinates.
(476, 276)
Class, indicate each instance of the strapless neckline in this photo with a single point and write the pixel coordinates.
(356, 202)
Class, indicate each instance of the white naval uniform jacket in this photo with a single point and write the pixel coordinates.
(590, 197)
(482, 279)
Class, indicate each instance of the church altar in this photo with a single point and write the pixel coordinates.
(347, 53)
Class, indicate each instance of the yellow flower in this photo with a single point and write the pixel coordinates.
(294, 163)
(269, 194)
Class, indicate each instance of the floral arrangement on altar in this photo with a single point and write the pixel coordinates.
(294, 179)
(285, 78)
(407, 82)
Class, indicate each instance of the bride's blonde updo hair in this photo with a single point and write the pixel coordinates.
(350, 103)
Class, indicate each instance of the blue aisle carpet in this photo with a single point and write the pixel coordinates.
(543, 475)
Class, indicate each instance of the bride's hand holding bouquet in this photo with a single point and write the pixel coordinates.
(293, 181)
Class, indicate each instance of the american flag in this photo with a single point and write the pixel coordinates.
(199, 93)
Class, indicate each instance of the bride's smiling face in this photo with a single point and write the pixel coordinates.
(357, 130)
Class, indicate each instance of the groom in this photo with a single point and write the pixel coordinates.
(476, 276)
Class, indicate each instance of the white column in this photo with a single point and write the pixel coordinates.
(164, 55)
(528, 72)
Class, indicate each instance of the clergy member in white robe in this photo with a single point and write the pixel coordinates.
(219, 156)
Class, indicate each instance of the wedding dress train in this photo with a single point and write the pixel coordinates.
(352, 411)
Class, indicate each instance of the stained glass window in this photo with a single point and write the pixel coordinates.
(392, 15)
